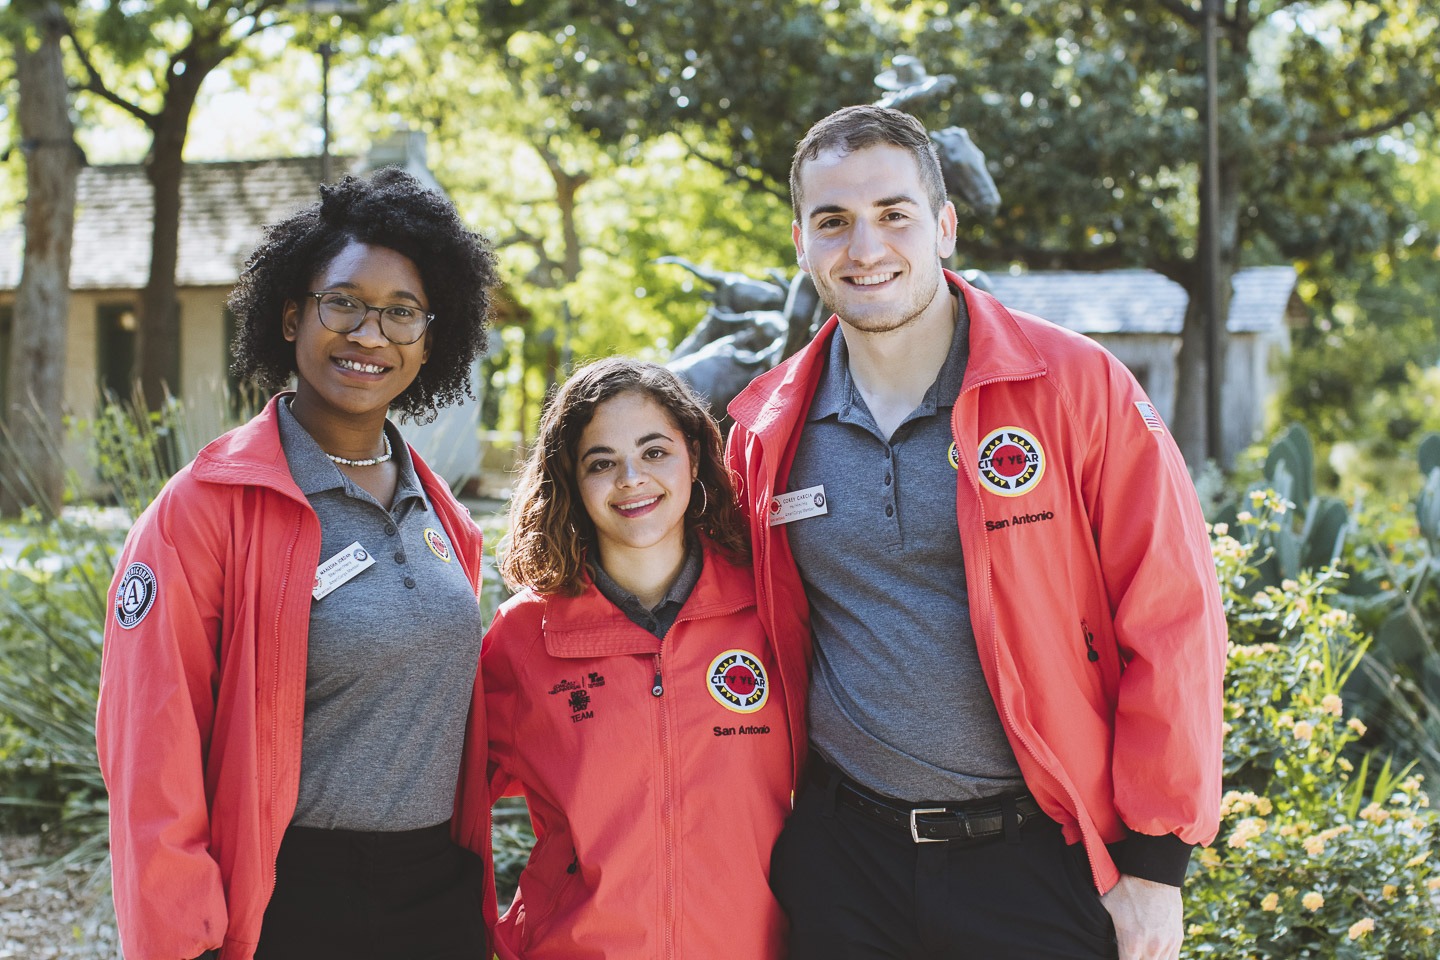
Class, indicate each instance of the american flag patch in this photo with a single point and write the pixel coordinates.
(1148, 414)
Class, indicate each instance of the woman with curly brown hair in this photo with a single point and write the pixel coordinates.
(292, 649)
(631, 693)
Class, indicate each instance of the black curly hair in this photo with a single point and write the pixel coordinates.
(390, 209)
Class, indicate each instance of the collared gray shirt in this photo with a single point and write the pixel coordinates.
(658, 621)
(897, 697)
(392, 653)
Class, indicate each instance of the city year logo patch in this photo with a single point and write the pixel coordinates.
(437, 544)
(1011, 462)
(135, 595)
(737, 681)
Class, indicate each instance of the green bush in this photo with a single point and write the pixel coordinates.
(1320, 853)
(52, 609)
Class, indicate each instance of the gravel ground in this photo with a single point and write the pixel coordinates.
(47, 915)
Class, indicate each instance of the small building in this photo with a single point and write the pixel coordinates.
(224, 208)
(1138, 315)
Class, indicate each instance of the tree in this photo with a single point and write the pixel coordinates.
(737, 80)
(150, 60)
(34, 385)
(1091, 113)
(579, 218)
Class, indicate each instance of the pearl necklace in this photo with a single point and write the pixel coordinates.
(372, 461)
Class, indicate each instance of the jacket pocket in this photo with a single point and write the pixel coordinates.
(551, 893)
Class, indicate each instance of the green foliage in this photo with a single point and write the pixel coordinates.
(1317, 857)
(52, 611)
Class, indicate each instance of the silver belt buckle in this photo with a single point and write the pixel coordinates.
(915, 829)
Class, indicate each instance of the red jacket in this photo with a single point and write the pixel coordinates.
(655, 815)
(1092, 590)
(202, 697)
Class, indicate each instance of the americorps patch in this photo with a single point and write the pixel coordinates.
(135, 595)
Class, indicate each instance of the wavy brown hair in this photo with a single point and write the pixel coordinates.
(550, 532)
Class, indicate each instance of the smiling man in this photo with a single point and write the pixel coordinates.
(1014, 700)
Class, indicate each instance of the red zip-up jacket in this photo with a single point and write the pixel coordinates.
(657, 774)
(1093, 594)
(202, 697)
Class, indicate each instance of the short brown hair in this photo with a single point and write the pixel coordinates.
(550, 532)
(866, 125)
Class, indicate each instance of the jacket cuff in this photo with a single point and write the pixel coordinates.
(1161, 859)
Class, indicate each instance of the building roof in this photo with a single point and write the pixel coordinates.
(1140, 301)
(224, 207)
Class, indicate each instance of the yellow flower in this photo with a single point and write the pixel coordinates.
(1304, 730)
(1345, 765)
(1418, 859)
(1245, 831)
(1332, 704)
(1375, 814)
(1389, 890)
(1271, 903)
(1354, 724)
(1315, 846)
(1209, 858)
(1359, 928)
(1433, 883)
(1312, 901)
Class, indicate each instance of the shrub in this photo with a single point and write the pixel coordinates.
(1320, 853)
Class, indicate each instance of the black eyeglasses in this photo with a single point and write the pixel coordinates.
(343, 313)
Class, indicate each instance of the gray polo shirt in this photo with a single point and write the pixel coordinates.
(656, 622)
(897, 697)
(392, 654)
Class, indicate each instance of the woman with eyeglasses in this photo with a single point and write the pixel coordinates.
(293, 641)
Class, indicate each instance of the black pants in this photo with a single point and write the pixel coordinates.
(855, 889)
(408, 895)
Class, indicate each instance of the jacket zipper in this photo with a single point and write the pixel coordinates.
(667, 814)
(275, 716)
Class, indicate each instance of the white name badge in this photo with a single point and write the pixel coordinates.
(345, 565)
(798, 504)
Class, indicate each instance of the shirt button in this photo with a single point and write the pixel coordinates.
(887, 479)
(410, 583)
(399, 556)
(889, 510)
(389, 529)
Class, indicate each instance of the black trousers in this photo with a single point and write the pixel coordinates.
(407, 895)
(855, 889)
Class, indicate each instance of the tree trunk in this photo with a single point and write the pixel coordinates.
(1191, 422)
(35, 382)
(157, 344)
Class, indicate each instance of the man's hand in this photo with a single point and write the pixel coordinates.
(1148, 919)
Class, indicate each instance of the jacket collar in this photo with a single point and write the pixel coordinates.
(250, 455)
(591, 626)
(776, 401)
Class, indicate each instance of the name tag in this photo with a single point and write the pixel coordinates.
(798, 504)
(345, 565)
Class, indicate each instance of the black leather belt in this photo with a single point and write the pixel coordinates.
(956, 822)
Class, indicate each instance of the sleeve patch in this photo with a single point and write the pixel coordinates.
(135, 595)
(1150, 416)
